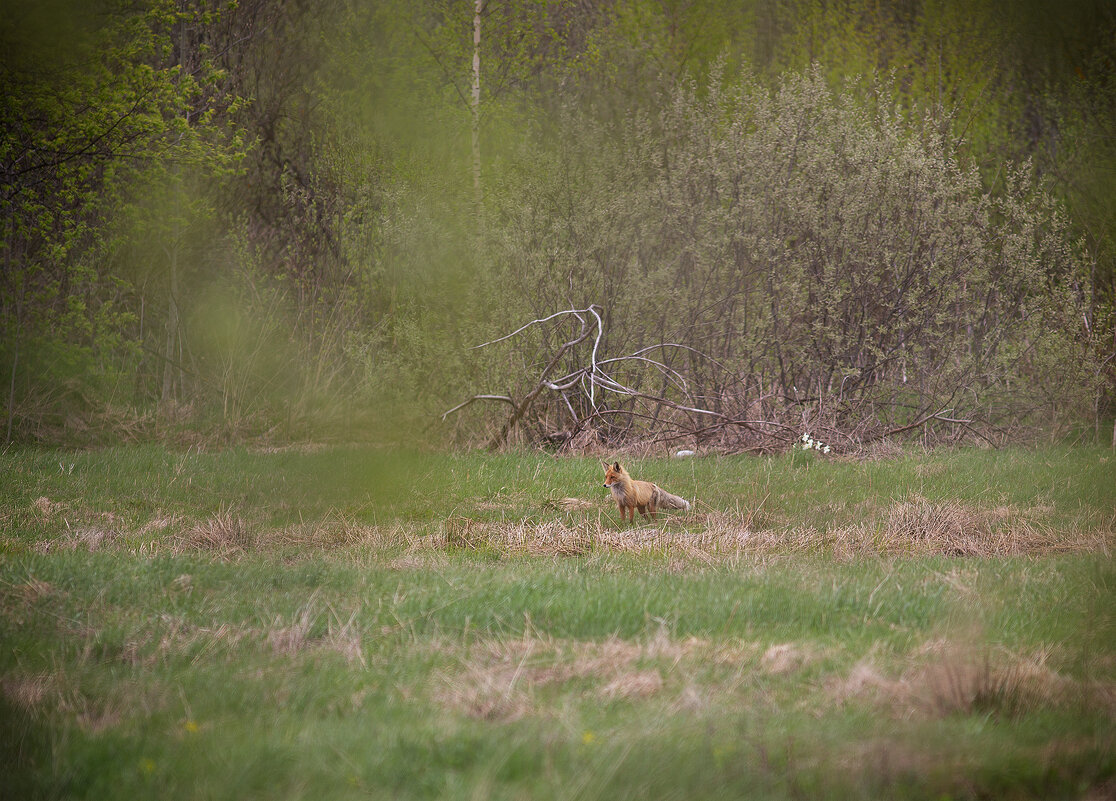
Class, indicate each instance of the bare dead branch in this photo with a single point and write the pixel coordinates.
(680, 346)
(940, 414)
(608, 383)
(575, 312)
(461, 406)
(680, 383)
(680, 410)
(522, 408)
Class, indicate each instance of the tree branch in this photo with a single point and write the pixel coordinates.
(461, 406)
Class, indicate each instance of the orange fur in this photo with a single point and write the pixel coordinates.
(642, 495)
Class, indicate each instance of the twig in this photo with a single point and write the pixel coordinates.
(576, 312)
(521, 408)
(938, 415)
(460, 406)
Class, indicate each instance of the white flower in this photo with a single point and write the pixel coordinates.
(825, 449)
(805, 438)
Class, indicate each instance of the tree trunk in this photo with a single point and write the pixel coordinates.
(169, 361)
(478, 9)
(171, 369)
(18, 330)
(11, 386)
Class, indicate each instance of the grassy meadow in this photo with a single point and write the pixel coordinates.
(353, 623)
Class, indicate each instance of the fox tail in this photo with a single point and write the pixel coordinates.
(664, 500)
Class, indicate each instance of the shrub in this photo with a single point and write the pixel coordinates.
(813, 258)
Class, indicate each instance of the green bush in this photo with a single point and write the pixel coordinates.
(801, 256)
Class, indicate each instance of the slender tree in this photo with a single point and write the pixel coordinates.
(478, 11)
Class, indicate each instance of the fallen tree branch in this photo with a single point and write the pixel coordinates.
(522, 408)
(679, 411)
(461, 406)
(575, 312)
(940, 414)
(519, 409)
(591, 309)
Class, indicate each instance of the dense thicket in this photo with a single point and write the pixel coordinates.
(796, 257)
(258, 218)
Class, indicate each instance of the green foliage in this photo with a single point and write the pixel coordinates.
(828, 197)
(89, 112)
(809, 250)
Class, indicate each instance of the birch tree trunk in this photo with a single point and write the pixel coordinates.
(171, 370)
(478, 9)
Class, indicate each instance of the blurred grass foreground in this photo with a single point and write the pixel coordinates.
(351, 622)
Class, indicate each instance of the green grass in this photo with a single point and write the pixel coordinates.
(345, 623)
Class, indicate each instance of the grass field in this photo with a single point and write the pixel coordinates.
(352, 623)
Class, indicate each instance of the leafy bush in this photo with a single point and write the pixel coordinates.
(799, 256)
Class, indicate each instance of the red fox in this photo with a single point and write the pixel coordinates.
(643, 495)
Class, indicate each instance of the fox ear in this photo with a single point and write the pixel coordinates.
(617, 467)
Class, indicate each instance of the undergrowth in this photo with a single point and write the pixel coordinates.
(353, 623)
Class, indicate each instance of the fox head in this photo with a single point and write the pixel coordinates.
(613, 473)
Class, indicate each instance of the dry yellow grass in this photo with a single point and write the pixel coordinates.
(917, 528)
(222, 533)
(499, 679)
(505, 679)
(914, 527)
(293, 637)
(950, 677)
